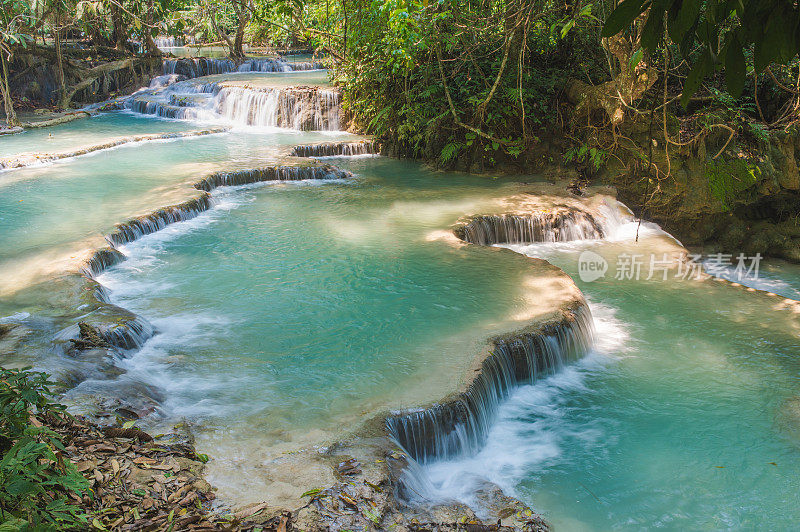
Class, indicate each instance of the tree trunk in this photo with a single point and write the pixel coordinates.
(62, 88)
(8, 104)
(238, 43)
(88, 77)
(120, 35)
(149, 43)
(222, 35)
(628, 83)
(344, 46)
(243, 17)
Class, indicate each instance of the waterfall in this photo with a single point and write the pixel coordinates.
(168, 41)
(198, 66)
(306, 65)
(525, 228)
(459, 427)
(203, 66)
(270, 173)
(165, 80)
(127, 334)
(120, 328)
(100, 260)
(333, 149)
(303, 108)
(265, 65)
(150, 223)
(166, 110)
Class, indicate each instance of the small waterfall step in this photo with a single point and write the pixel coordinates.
(300, 108)
(155, 221)
(459, 427)
(559, 225)
(203, 66)
(271, 173)
(150, 223)
(334, 149)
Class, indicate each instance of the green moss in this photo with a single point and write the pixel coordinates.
(728, 179)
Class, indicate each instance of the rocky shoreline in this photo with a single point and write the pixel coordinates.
(144, 483)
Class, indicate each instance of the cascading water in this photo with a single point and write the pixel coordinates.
(296, 66)
(459, 427)
(301, 108)
(150, 223)
(101, 260)
(602, 445)
(124, 331)
(199, 66)
(165, 80)
(271, 173)
(168, 41)
(202, 66)
(527, 228)
(333, 149)
(127, 334)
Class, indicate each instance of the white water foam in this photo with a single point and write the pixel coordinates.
(15, 318)
(531, 428)
(617, 222)
(159, 362)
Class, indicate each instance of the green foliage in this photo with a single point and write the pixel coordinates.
(723, 29)
(449, 152)
(734, 113)
(35, 480)
(594, 158)
(393, 76)
(727, 180)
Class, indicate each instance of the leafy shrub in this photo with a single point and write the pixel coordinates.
(35, 479)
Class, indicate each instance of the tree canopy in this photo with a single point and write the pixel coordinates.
(723, 30)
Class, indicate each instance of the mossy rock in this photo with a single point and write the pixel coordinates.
(728, 179)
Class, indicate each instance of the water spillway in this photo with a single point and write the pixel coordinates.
(202, 66)
(559, 226)
(150, 223)
(100, 260)
(336, 149)
(302, 108)
(169, 41)
(271, 173)
(459, 426)
(155, 221)
(299, 108)
(197, 67)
